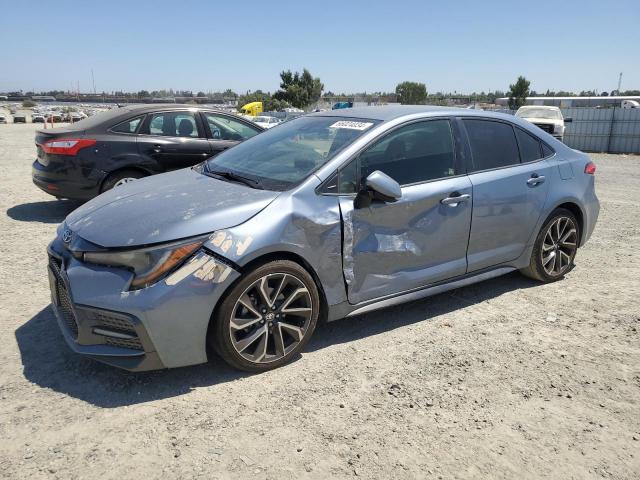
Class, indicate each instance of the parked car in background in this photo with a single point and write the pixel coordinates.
(266, 122)
(3, 119)
(329, 215)
(549, 119)
(115, 147)
(630, 104)
(37, 118)
(54, 117)
(19, 118)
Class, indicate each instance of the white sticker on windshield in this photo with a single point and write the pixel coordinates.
(351, 125)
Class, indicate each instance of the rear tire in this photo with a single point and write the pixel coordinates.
(267, 318)
(555, 247)
(121, 177)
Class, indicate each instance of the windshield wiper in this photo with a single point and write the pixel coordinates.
(233, 177)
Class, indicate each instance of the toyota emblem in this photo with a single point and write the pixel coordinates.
(66, 236)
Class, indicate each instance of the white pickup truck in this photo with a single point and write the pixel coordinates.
(549, 119)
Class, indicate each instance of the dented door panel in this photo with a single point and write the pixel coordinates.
(393, 247)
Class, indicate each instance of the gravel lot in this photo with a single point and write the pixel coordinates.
(504, 379)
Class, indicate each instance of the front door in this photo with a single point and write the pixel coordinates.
(421, 239)
(173, 140)
(225, 132)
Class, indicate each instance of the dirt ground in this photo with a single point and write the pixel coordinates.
(503, 379)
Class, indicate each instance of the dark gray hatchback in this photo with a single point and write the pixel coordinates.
(84, 159)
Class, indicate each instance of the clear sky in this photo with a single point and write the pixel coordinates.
(352, 45)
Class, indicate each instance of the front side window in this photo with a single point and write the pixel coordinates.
(415, 153)
(280, 158)
(130, 126)
(493, 144)
(174, 124)
(225, 128)
(529, 146)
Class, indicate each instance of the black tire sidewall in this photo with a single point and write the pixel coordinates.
(219, 335)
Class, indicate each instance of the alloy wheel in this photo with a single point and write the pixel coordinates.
(270, 318)
(124, 180)
(559, 246)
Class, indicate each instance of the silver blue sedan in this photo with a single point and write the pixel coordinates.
(330, 215)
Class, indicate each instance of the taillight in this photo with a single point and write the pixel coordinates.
(590, 168)
(67, 146)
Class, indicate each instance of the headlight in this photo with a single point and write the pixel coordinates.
(149, 264)
(558, 128)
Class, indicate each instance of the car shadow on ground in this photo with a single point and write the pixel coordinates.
(49, 363)
(44, 212)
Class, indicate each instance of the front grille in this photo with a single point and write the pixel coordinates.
(64, 302)
(545, 126)
(133, 343)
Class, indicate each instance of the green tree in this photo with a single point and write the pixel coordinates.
(411, 93)
(299, 90)
(269, 104)
(518, 93)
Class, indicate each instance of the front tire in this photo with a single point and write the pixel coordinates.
(555, 247)
(267, 318)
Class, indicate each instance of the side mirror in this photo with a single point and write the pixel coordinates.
(378, 186)
(568, 120)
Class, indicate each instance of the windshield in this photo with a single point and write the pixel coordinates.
(539, 113)
(282, 157)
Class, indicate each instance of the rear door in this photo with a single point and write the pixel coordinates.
(420, 239)
(174, 139)
(510, 186)
(225, 131)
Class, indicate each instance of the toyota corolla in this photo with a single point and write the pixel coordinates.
(328, 216)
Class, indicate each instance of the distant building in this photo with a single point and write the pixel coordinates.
(43, 98)
(566, 102)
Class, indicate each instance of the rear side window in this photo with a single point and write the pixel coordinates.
(530, 149)
(130, 126)
(546, 150)
(493, 144)
(415, 153)
(173, 124)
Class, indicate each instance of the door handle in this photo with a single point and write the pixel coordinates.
(455, 199)
(535, 180)
(157, 148)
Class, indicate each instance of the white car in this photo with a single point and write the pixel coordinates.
(266, 122)
(549, 119)
(3, 119)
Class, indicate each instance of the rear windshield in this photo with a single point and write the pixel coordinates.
(282, 157)
(102, 117)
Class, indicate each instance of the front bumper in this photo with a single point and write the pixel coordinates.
(67, 181)
(162, 326)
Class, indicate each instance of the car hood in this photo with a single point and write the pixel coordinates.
(166, 207)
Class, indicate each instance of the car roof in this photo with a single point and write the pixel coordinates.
(390, 112)
(152, 107)
(543, 107)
